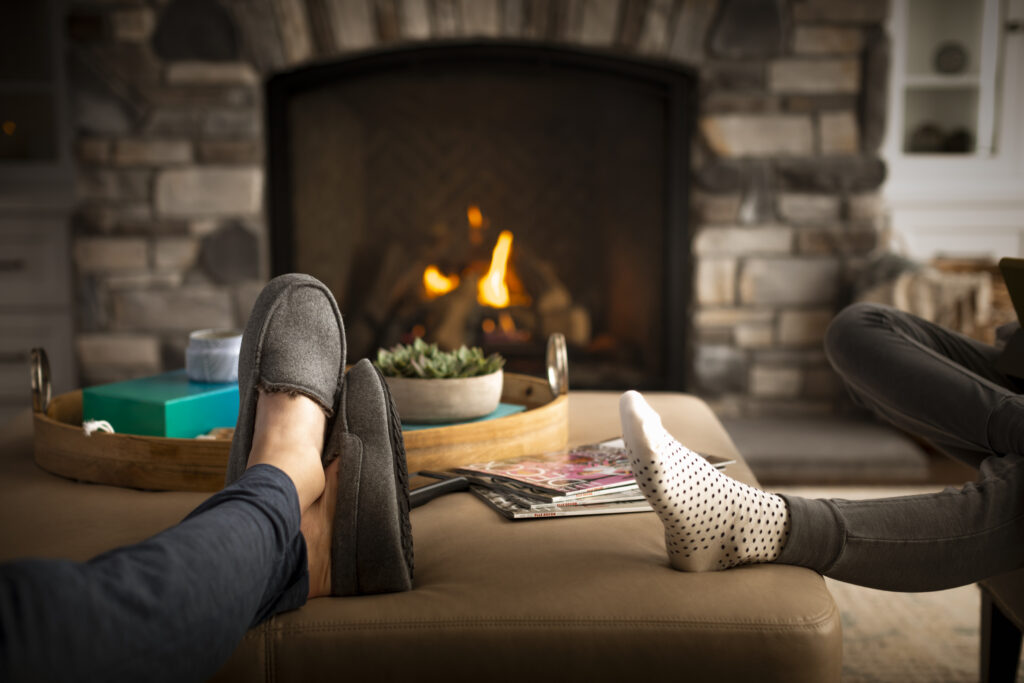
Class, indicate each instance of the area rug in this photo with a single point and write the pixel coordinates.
(906, 637)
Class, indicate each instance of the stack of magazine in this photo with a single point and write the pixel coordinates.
(590, 480)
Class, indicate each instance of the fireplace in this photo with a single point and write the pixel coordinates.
(175, 223)
(491, 194)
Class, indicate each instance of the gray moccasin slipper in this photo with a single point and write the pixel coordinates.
(293, 342)
(371, 551)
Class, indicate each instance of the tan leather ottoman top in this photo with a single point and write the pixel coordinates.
(572, 598)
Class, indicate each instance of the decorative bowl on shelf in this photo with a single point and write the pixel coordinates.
(431, 386)
(950, 58)
(431, 401)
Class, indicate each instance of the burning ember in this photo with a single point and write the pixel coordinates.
(475, 218)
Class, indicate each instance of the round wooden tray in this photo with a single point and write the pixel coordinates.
(149, 462)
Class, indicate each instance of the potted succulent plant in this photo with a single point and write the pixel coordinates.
(431, 386)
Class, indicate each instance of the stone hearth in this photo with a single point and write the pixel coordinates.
(170, 232)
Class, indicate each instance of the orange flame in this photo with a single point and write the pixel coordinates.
(437, 283)
(475, 217)
(492, 289)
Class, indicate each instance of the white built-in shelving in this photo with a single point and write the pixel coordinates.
(955, 138)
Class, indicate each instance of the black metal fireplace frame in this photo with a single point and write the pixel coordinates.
(677, 82)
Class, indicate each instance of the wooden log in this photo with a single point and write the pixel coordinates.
(453, 314)
(541, 280)
(580, 327)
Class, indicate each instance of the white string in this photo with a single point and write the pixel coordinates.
(90, 426)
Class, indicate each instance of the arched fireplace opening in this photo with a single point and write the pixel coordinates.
(491, 194)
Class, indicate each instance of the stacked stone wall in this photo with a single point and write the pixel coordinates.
(170, 231)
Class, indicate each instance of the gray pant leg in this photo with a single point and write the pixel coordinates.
(928, 381)
(942, 385)
(915, 543)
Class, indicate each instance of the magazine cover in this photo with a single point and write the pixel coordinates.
(535, 495)
(524, 499)
(562, 473)
(508, 508)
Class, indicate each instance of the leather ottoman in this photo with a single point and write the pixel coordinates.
(584, 598)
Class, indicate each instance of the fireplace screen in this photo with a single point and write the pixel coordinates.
(492, 195)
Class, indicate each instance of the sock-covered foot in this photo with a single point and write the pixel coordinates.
(711, 520)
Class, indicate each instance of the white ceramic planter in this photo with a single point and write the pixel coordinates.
(429, 401)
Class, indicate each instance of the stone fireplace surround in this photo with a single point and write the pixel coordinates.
(170, 231)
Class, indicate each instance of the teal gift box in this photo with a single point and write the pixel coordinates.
(169, 404)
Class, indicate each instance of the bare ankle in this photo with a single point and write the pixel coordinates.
(289, 434)
(317, 525)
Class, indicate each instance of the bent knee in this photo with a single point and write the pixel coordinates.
(850, 330)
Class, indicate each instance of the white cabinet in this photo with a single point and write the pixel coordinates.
(955, 137)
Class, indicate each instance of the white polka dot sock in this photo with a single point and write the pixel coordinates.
(711, 520)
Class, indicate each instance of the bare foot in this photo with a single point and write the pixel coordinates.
(289, 434)
(317, 525)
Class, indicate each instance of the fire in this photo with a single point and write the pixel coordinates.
(498, 287)
(475, 218)
(504, 330)
(492, 289)
(437, 283)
